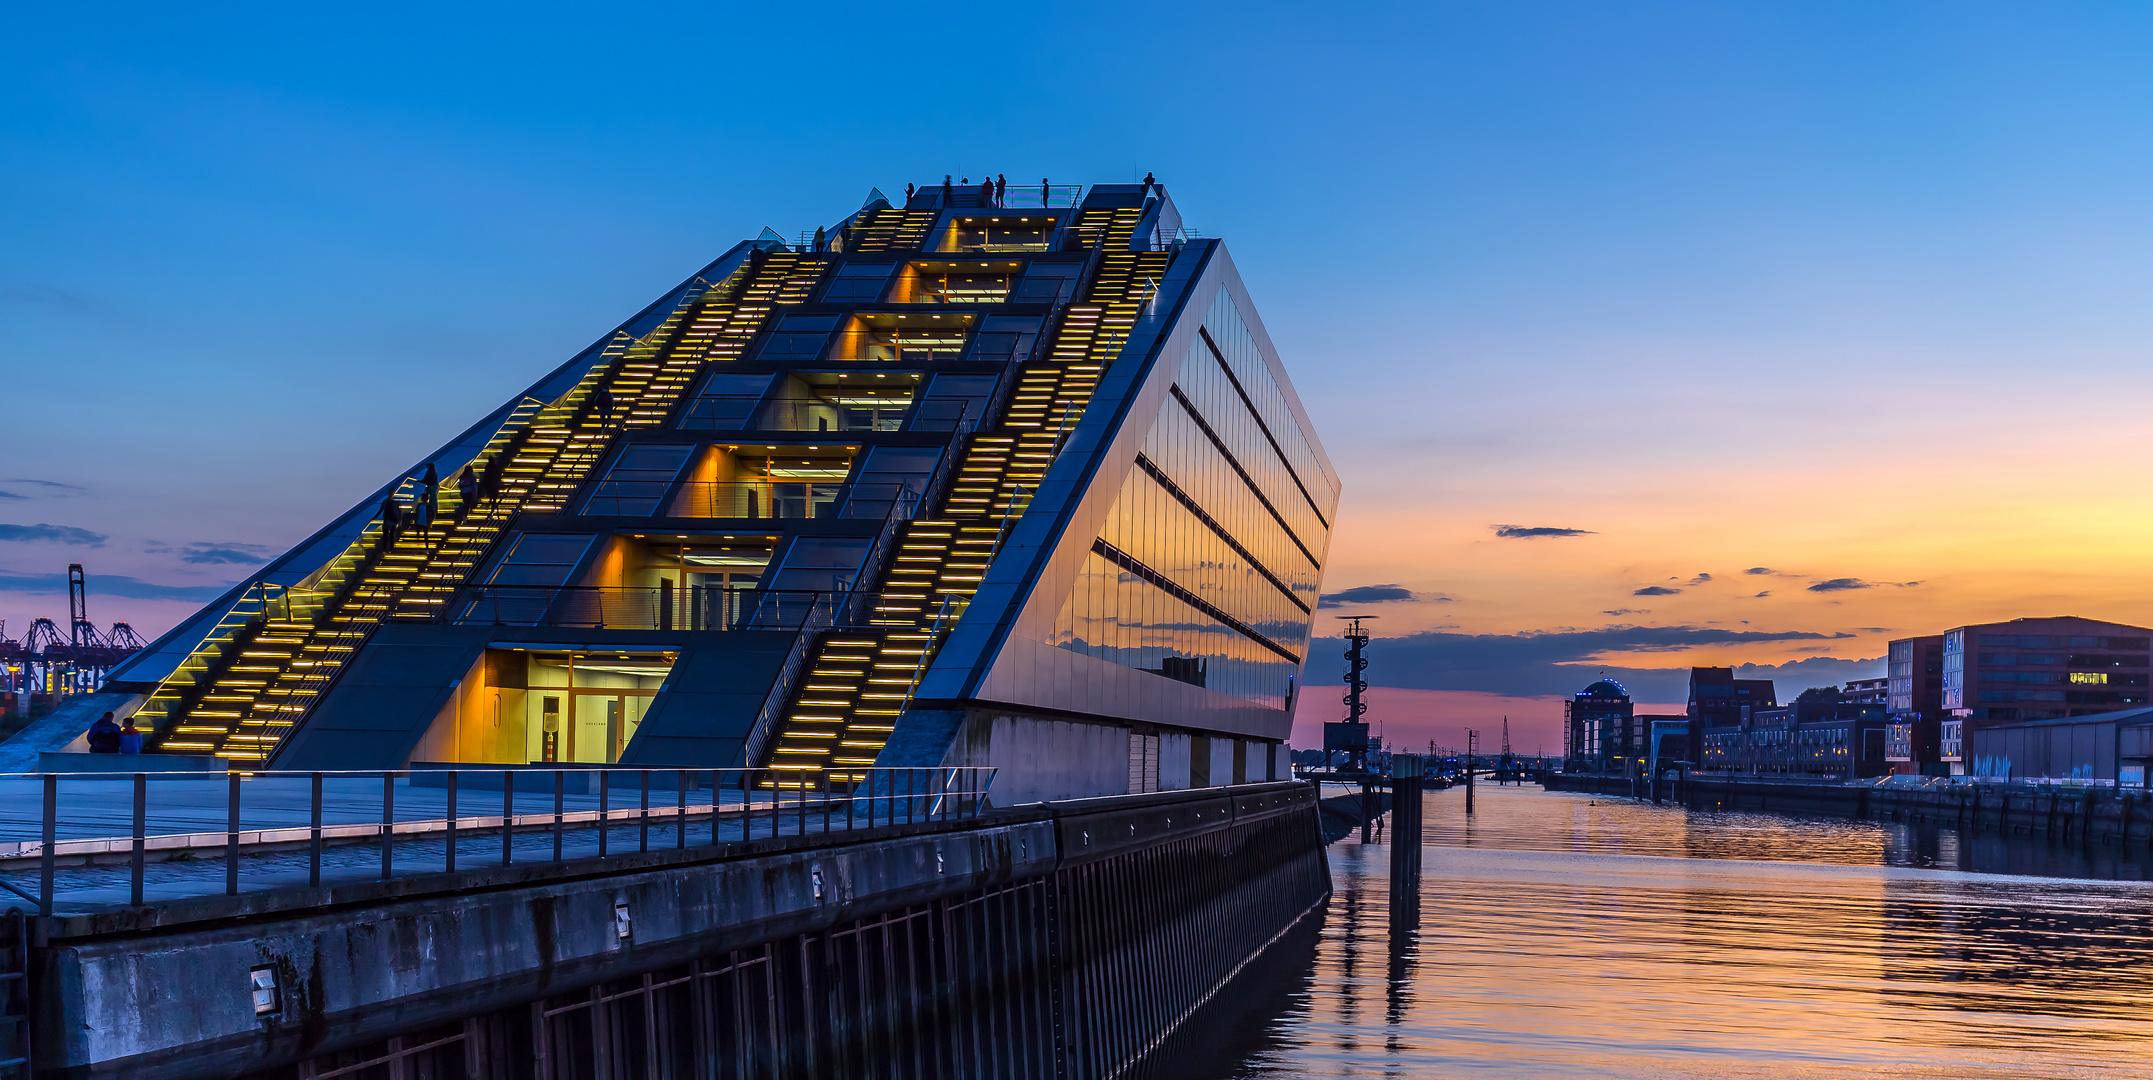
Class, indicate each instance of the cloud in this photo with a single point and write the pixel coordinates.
(1628, 611)
(1551, 661)
(116, 585)
(1762, 595)
(1792, 677)
(57, 534)
(43, 296)
(1760, 570)
(1366, 594)
(1655, 590)
(43, 488)
(204, 554)
(1531, 532)
(1841, 584)
(1844, 584)
(1700, 579)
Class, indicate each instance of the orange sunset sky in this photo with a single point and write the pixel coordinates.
(1765, 341)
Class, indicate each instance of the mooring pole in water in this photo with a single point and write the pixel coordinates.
(1369, 805)
(1404, 824)
(1472, 744)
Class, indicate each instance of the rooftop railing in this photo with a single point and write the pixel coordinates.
(1040, 196)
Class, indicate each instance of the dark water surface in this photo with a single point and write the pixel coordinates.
(1578, 936)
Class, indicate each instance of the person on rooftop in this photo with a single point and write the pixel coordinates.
(1001, 188)
(430, 498)
(130, 738)
(1046, 193)
(986, 192)
(467, 488)
(105, 736)
(392, 520)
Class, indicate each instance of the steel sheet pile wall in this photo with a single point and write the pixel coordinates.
(1079, 972)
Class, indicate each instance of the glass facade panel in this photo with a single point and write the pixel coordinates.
(1123, 618)
(1242, 357)
(1208, 565)
(541, 559)
(638, 481)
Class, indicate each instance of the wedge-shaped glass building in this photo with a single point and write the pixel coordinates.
(1016, 482)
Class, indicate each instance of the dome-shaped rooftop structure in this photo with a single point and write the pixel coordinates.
(1605, 688)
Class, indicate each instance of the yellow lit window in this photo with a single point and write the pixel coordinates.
(2090, 678)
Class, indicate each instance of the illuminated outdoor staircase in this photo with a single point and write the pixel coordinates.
(891, 229)
(861, 677)
(278, 650)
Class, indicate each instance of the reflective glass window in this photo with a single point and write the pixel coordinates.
(1207, 567)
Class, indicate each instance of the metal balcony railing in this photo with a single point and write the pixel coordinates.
(756, 500)
(694, 607)
(749, 412)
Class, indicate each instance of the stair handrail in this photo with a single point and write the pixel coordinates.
(903, 508)
(804, 641)
(1070, 415)
(953, 606)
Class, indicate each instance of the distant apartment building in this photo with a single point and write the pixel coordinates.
(1866, 691)
(1719, 700)
(1669, 730)
(1914, 699)
(1985, 674)
(1823, 732)
(1599, 730)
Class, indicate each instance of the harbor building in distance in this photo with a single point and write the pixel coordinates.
(1005, 478)
(1945, 685)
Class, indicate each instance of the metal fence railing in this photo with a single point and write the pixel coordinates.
(796, 500)
(612, 608)
(64, 836)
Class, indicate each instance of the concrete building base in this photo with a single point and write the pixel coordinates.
(1043, 758)
(1059, 941)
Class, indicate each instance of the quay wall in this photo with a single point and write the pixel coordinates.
(1063, 940)
(2067, 813)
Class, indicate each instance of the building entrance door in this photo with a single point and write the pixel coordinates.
(605, 724)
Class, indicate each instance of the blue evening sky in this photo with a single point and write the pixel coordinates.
(254, 260)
